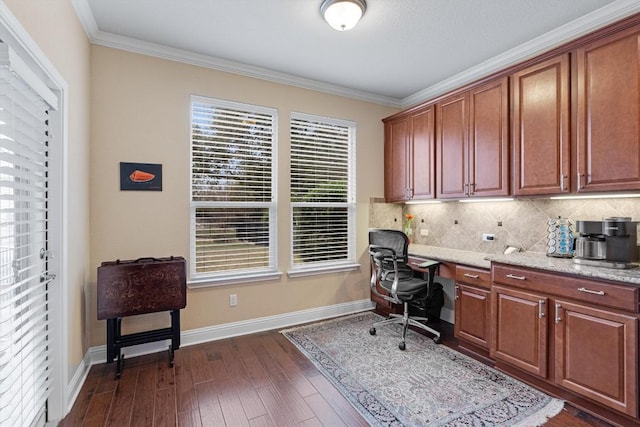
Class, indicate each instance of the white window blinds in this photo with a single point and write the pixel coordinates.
(232, 188)
(24, 279)
(322, 190)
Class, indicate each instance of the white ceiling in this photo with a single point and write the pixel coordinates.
(401, 52)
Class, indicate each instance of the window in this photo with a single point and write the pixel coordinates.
(233, 210)
(322, 192)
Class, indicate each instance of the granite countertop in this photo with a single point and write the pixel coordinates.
(526, 259)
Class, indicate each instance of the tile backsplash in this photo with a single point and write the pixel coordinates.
(520, 223)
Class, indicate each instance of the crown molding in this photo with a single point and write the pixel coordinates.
(597, 19)
(609, 14)
(159, 51)
(85, 15)
(98, 37)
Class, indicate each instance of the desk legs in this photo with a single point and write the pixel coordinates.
(116, 341)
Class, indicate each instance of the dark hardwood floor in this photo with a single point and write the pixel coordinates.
(253, 380)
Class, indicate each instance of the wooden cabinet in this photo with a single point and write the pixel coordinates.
(409, 151)
(541, 128)
(608, 113)
(472, 306)
(596, 354)
(578, 334)
(396, 159)
(520, 334)
(489, 139)
(452, 136)
(472, 142)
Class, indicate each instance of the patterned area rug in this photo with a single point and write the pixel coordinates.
(426, 385)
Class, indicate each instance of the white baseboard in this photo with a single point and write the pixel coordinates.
(98, 354)
(77, 381)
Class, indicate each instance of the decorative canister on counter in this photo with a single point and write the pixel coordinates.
(559, 237)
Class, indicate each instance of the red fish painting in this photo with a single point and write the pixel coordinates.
(141, 176)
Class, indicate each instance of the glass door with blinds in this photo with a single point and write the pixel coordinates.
(24, 277)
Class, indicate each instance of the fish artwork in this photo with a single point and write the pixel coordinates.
(141, 176)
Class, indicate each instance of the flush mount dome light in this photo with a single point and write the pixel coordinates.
(342, 15)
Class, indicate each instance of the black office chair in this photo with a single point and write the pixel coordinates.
(389, 258)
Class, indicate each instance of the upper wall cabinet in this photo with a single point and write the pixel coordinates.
(541, 145)
(608, 113)
(408, 156)
(472, 142)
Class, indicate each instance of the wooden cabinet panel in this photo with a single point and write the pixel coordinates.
(489, 139)
(596, 355)
(396, 160)
(520, 329)
(608, 119)
(477, 277)
(472, 315)
(541, 128)
(409, 156)
(605, 294)
(451, 147)
(422, 154)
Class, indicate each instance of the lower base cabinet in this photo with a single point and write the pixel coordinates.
(472, 306)
(520, 334)
(596, 355)
(568, 332)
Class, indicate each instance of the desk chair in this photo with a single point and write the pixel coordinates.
(389, 259)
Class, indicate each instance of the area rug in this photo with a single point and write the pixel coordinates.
(425, 385)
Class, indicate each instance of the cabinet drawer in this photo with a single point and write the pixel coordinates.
(473, 276)
(607, 294)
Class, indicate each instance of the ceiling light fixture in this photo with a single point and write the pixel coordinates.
(342, 15)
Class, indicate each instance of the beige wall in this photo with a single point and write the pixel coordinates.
(140, 113)
(54, 26)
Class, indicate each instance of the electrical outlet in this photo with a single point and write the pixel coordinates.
(233, 300)
(424, 231)
(486, 237)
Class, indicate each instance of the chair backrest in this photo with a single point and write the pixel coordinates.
(394, 239)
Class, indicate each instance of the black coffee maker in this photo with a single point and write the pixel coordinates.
(609, 243)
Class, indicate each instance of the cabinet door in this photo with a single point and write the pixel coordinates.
(423, 163)
(520, 329)
(608, 127)
(451, 146)
(396, 160)
(541, 128)
(489, 139)
(472, 315)
(597, 355)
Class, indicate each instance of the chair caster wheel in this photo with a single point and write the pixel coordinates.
(437, 340)
(372, 331)
(402, 346)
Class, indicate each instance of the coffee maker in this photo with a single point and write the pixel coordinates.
(609, 243)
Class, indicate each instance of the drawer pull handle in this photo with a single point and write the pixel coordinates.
(589, 291)
(512, 276)
(457, 292)
(472, 276)
(540, 309)
(558, 307)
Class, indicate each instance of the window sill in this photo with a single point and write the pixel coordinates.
(316, 270)
(233, 279)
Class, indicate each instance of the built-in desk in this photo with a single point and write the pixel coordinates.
(570, 330)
